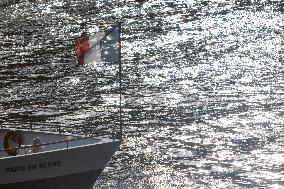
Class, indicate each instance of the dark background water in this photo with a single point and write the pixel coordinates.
(202, 87)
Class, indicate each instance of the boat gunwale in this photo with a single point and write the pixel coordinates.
(100, 140)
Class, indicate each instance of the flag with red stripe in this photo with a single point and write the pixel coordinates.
(102, 47)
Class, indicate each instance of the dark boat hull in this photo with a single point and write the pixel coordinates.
(64, 168)
(83, 180)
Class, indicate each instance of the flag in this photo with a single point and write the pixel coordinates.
(102, 47)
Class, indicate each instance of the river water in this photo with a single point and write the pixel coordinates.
(202, 86)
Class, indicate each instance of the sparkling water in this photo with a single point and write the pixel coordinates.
(202, 86)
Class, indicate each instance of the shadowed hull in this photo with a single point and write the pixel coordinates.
(84, 180)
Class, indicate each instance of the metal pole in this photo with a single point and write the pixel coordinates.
(120, 76)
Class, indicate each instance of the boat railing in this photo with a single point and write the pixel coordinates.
(64, 144)
(63, 129)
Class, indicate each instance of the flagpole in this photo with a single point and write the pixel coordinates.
(120, 83)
